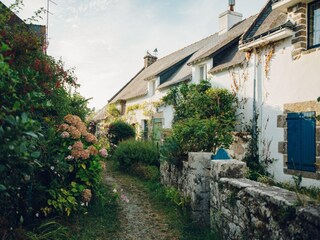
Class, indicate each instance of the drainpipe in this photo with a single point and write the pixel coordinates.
(254, 107)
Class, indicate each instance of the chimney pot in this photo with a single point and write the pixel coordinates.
(149, 59)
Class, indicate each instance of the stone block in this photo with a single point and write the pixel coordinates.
(199, 160)
(282, 121)
(318, 149)
(285, 160)
(228, 169)
(301, 39)
(301, 33)
(285, 134)
(282, 147)
(300, 27)
(318, 134)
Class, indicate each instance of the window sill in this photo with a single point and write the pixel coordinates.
(312, 175)
(311, 50)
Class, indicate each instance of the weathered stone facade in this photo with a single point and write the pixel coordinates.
(240, 208)
(298, 14)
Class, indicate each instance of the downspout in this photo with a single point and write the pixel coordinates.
(254, 107)
(254, 110)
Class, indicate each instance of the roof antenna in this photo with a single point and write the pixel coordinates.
(155, 52)
(47, 30)
(231, 4)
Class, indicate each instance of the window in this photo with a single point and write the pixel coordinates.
(203, 73)
(314, 24)
(302, 141)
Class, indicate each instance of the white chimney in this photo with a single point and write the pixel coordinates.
(229, 18)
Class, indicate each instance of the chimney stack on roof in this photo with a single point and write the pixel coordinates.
(229, 18)
(149, 59)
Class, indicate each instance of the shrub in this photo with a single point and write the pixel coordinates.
(206, 135)
(172, 152)
(203, 120)
(119, 131)
(131, 151)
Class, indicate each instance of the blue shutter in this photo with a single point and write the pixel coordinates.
(302, 141)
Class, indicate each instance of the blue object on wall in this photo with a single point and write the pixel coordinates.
(302, 141)
(221, 155)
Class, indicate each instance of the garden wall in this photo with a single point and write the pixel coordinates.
(240, 208)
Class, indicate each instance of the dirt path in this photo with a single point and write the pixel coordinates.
(138, 219)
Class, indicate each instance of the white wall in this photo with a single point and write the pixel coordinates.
(287, 81)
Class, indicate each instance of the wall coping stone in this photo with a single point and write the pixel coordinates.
(228, 169)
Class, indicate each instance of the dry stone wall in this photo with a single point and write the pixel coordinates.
(240, 208)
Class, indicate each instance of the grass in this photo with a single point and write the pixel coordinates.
(101, 222)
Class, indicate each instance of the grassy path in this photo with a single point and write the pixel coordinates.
(138, 219)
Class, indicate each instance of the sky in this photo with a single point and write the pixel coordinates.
(106, 40)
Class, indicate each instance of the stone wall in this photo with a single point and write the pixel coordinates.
(240, 208)
(245, 209)
(193, 181)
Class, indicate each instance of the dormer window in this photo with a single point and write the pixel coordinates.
(203, 72)
(314, 24)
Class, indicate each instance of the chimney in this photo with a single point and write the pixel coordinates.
(229, 18)
(149, 59)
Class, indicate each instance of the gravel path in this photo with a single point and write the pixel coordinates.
(137, 217)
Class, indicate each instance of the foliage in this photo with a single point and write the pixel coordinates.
(203, 120)
(49, 230)
(19, 156)
(101, 222)
(36, 93)
(131, 151)
(113, 110)
(119, 131)
(172, 152)
(257, 169)
(201, 102)
(198, 135)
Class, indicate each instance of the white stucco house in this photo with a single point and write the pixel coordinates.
(270, 61)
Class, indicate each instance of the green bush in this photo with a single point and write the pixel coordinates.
(204, 119)
(201, 135)
(172, 152)
(119, 131)
(131, 152)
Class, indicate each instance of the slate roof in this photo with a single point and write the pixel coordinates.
(223, 40)
(138, 86)
(223, 49)
(228, 58)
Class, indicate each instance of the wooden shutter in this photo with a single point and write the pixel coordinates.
(302, 141)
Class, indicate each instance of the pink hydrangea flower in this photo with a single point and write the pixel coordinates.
(65, 135)
(103, 152)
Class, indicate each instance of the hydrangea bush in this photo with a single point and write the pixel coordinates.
(78, 163)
